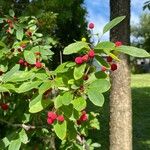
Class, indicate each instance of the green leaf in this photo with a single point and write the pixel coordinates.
(11, 13)
(67, 110)
(27, 86)
(95, 97)
(3, 89)
(4, 143)
(76, 47)
(20, 76)
(61, 68)
(19, 33)
(38, 104)
(113, 23)
(104, 46)
(101, 85)
(7, 76)
(2, 44)
(101, 61)
(67, 98)
(58, 101)
(15, 144)
(44, 87)
(133, 51)
(61, 130)
(79, 104)
(79, 71)
(23, 136)
(72, 133)
(30, 57)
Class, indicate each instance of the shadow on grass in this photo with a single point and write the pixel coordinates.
(141, 120)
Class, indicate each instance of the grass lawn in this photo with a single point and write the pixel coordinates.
(141, 115)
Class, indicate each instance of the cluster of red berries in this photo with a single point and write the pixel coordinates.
(38, 64)
(82, 118)
(109, 59)
(52, 116)
(4, 106)
(81, 59)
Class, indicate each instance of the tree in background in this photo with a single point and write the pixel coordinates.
(120, 96)
(141, 32)
(65, 20)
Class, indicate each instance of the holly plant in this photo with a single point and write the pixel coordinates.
(42, 108)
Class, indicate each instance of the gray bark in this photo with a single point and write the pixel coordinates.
(120, 96)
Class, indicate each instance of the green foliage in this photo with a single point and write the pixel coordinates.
(32, 91)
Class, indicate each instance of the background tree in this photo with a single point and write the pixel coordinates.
(120, 96)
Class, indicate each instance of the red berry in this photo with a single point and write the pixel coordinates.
(78, 60)
(9, 21)
(84, 117)
(61, 118)
(23, 45)
(91, 53)
(118, 43)
(109, 59)
(50, 120)
(91, 25)
(103, 68)
(113, 67)
(38, 64)
(4, 106)
(78, 122)
(52, 115)
(85, 58)
(25, 64)
(85, 77)
(21, 62)
(19, 49)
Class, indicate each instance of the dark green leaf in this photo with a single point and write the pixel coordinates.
(101, 61)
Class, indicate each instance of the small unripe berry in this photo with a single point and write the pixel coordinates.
(118, 43)
(109, 59)
(52, 115)
(103, 68)
(78, 60)
(91, 25)
(4, 106)
(60, 118)
(85, 58)
(113, 67)
(91, 53)
(83, 39)
(26, 64)
(50, 120)
(38, 64)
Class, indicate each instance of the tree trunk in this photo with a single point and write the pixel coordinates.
(120, 96)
